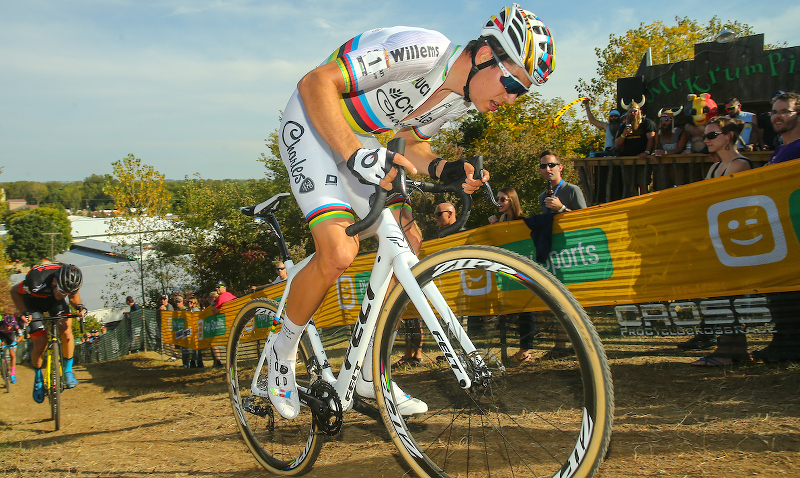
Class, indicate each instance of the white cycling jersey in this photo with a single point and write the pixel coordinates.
(389, 73)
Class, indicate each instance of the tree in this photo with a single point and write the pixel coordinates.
(141, 199)
(27, 244)
(94, 195)
(226, 245)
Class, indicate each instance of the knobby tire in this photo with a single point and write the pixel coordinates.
(284, 447)
(546, 418)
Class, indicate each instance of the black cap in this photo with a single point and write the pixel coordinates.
(164, 297)
(221, 283)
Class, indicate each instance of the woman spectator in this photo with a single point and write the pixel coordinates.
(720, 137)
(196, 360)
(511, 210)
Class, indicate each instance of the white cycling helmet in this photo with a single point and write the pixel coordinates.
(526, 40)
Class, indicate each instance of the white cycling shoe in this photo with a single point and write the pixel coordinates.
(406, 404)
(282, 385)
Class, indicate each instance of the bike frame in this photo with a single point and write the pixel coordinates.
(394, 256)
(54, 336)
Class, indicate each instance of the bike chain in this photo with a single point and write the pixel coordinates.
(328, 417)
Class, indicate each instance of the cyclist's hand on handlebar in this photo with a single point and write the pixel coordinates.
(374, 166)
(461, 170)
(470, 184)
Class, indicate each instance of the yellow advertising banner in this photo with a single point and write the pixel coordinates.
(733, 235)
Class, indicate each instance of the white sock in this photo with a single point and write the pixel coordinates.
(288, 340)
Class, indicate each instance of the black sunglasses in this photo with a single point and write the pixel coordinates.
(281, 268)
(502, 199)
(548, 165)
(712, 135)
(439, 213)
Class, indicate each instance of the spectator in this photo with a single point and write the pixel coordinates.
(169, 349)
(749, 135)
(560, 197)
(223, 296)
(132, 304)
(280, 267)
(510, 208)
(196, 357)
(637, 137)
(610, 128)
(671, 139)
(785, 343)
(721, 137)
(769, 139)
(784, 121)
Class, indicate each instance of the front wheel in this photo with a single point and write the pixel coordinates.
(550, 417)
(54, 391)
(284, 447)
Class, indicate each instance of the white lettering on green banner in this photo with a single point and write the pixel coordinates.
(214, 326)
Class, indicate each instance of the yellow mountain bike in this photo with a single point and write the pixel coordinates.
(53, 368)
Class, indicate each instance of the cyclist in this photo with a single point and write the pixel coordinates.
(49, 288)
(405, 79)
(10, 332)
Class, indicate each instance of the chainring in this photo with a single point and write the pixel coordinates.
(328, 419)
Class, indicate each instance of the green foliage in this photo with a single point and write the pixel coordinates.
(141, 198)
(27, 243)
(226, 244)
(138, 190)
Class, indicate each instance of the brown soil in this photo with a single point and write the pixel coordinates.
(141, 416)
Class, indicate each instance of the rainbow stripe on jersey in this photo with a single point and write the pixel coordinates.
(358, 113)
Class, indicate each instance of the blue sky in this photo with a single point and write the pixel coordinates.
(196, 86)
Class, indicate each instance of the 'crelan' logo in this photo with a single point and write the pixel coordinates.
(746, 231)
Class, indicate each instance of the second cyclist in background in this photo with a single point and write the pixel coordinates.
(10, 331)
(406, 79)
(49, 288)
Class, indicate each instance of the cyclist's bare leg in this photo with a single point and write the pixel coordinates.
(335, 251)
(67, 339)
(37, 352)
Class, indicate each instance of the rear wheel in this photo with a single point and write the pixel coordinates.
(284, 447)
(529, 419)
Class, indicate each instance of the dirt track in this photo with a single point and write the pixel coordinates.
(141, 416)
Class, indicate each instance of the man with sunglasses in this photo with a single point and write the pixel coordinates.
(560, 196)
(409, 80)
(49, 288)
(749, 137)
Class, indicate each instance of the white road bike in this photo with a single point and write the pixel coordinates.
(486, 417)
